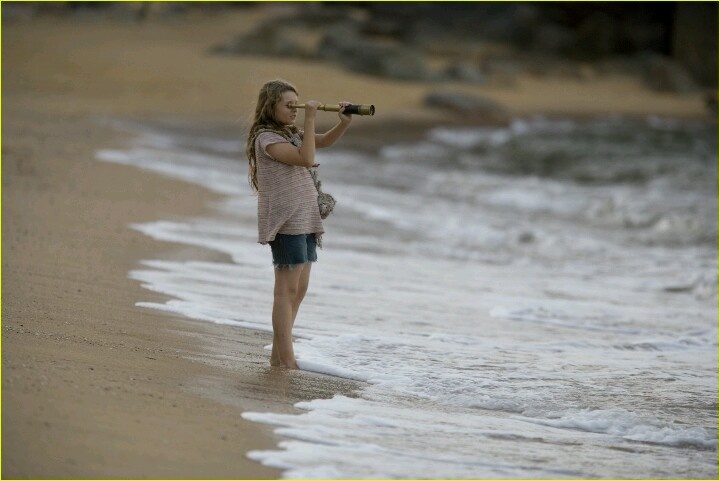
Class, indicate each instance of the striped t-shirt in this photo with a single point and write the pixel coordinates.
(287, 197)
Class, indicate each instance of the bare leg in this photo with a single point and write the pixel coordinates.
(290, 288)
(303, 284)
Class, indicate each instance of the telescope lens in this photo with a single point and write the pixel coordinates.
(360, 109)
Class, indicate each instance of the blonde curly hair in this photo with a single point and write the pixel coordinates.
(264, 119)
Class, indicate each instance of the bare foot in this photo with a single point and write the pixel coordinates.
(277, 363)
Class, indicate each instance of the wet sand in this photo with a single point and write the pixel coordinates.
(93, 386)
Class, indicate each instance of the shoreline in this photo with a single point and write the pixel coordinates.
(95, 387)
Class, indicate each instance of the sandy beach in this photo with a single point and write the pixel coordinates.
(93, 386)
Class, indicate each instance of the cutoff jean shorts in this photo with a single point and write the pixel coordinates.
(290, 251)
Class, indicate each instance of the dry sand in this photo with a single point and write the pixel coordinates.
(94, 387)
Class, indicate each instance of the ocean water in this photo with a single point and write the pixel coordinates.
(536, 301)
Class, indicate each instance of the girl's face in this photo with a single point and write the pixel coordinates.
(283, 113)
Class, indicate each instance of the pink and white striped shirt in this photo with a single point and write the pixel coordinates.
(287, 197)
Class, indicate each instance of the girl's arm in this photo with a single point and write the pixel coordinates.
(304, 156)
(333, 135)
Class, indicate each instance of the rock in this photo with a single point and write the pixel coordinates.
(502, 71)
(312, 15)
(597, 37)
(665, 75)
(397, 21)
(268, 39)
(620, 64)
(497, 65)
(552, 38)
(695, 40)
(526, 237)
(369, 57)
(711, 101)
(465, 72)
(555, 66)
(470, 108)
(404, 64)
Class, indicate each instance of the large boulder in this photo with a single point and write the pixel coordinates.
(267, 39)
(695, 40)
(367, 56)
(465, 72)
(665, 75)
(469, 108)
(597, 36)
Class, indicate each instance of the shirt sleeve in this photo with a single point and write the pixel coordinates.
(268, 138)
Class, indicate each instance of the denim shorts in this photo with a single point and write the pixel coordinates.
(289, 251)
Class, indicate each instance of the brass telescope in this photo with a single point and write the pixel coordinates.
(361, 109)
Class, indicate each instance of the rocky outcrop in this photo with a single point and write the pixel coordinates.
(695, 40)
(673, 46)
(663, 74)
(465, 71)
(267, 39)
(470, 108)
(347, 47)
(580, 40)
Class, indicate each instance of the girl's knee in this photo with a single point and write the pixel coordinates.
(286, 292)
(299, 296)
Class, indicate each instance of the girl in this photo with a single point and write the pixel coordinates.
(288, 214)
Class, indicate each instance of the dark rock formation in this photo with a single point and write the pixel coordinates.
(469, 108)
(364, 55)
(663, 74)
(695, 40)
(267, 39)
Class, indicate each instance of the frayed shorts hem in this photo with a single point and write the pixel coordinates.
(289, 267)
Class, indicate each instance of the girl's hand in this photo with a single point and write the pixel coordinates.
(311, 107)
(344, 118)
